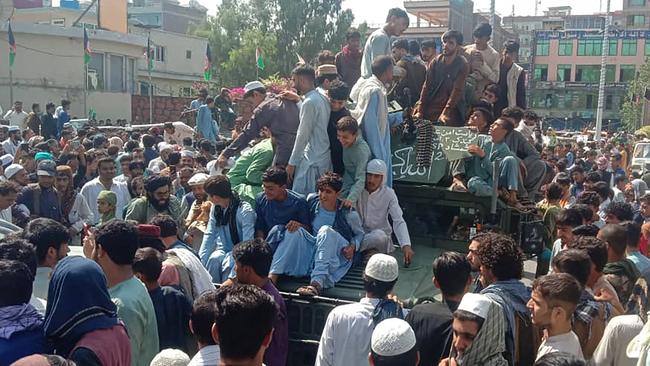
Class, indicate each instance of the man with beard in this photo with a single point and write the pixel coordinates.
(198, 209)
(16, 174)
(442, 93)
(40, 199)
(310, 157)
(231, 221)
(157, 200)
(12, 143)
(105, 182)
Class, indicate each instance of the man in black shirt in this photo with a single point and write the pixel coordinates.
(512, 80)
(338, 95)
(431, 322)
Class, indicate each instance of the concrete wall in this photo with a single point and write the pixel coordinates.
(165, 109)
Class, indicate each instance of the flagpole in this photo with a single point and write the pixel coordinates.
(150, 82)
(11, 85)
(86, 90)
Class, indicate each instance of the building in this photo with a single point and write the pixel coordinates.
(433, 18)
(169, 15)
(566, 73)
(61, 17)
(636, 14)
(50, 66)
(499, 33)
(523, 27)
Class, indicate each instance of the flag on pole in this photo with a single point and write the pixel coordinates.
(87, 50)
(12, 47)
(147, 55)
(207, 68)
(259, 59)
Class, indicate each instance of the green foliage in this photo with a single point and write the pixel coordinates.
(280, 28)
(632, 110)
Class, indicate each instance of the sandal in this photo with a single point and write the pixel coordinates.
(311, 290)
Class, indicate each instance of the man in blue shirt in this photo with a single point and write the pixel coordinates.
(41, 199)
(64, 117)
(231, 222)
(206, 127)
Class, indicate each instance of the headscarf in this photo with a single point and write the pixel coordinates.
(488, 346)
(110, 197)
(68, 196)
(18, 318)
(78, 303)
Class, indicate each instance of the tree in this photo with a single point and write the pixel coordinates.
(280, 28)
(632, 110)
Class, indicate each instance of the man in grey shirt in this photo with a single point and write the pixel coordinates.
(280, 116)
(378, 44)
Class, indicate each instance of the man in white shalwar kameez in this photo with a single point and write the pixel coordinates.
(310, 158)
(372, 111)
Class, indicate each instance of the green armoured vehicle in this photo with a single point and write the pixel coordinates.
(438, 220)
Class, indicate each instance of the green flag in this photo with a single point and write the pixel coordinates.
(259, 59)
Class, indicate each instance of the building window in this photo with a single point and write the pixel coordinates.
(96, 72)
(130, 79)
(563, 72)
(610, 73)
(609, 101)
(636, 20)
(188, 54)
(613, 47)
(588, 73)
(565, 47)
(159, 54)
(628, 47)
(590, 101)
(626, 73)
(117, 73)
(60, 22)
(541, 72)
(542, 48)
(589, 47)
(647, 47)
(637, 2)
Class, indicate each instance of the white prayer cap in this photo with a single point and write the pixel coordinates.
(382, 267)
(476, 304)
(252, 86)
(187, 154)
(12, 170)
(13, 129)
(197, 179)
(6, 159)
(171, 357)
(164, 146)
(376, 166)
(392, 337)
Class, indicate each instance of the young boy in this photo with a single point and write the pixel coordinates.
(356, 154)
(106, 206)
(172, 307)
(338, 94)
(553, 301)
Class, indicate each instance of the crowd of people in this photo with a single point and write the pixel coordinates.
(303, 188)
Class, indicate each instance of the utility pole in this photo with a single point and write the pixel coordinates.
(603, 75)
(536, 3)
(492, 14)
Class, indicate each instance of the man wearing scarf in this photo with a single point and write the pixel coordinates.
(106, 206)
(157, 200)
(478, 329)
(348, 61)
(372, 111)
(21, 326)
(348, 330)
(231, 221)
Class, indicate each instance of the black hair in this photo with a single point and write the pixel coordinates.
(119, 239)
(619, 178)
(105, 160)
(16, 283)
(569, 217)
(513, 113)
(401, 43)
(414, 47)
(559, 359)
(305, 70)
(276, 175)
(339, 90)
(187, 141)
(595, 248)
(326, 57)
(147, 141)
(589, 198)
(261, 90)
(352, 33)
(615, 236)
(397, 13)
(204, 312)
(574, 262)
(44, 234)
(577, 169)
(554, 191)
(135, 165)
(167, 225)
(245, 316)
(50, 105)
(348, 124)
(466, 316)
(621, 210)
(378, 289)
(209, 100)
(330, 179)
(493, 88)
(428, 44)
(511, 46)
(593, 177)
(586, 230)
(633, 233)
(381, 64)
(409, 357)
(456, 35)
(148, 262)
(482, 30)
(452, 270)
(602, 189)
(559, 289)
(173, 158)
(530, 114)
(563, 179)
(16, 249)
(503, 257)
(254, 253)
(7, 188)
(154, 182)
(218, 185)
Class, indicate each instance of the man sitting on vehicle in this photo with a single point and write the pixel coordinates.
(375, 204)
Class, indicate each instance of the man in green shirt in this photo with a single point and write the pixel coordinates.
(356, 154)
(246, 175)
(113, 246)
